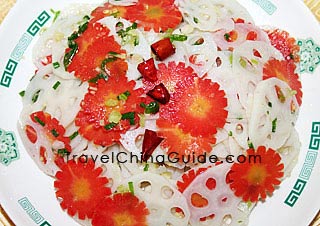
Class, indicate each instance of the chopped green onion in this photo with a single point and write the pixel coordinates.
(180, 38)
(119, 25)
(270, 104)
(230, 133)
(74, 135)
(151, 108)
(130, 116)
(274, 125)
(69, 56)
(99, 76)
(56, 65)
(35, 96)
(56, 85)
(146, 167)
(39, 121)
(62, 152)
(196, 20)
(110, 126)
(56, 14)
(227, 36)
(22, 93)
(54, 133)
(250, 144)
(124, 96)
(131, 188)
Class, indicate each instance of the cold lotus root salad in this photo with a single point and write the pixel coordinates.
(162, 112)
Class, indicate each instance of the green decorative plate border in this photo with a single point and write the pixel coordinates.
(21, 47)
(307, 168)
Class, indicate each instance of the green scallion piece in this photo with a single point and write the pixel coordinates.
(35, 96)
(62, 152)
(99, 76)
(22, 93)
(274, 125)
(56, 65)
(146, 167)
(56, 85)
(196, 20)
(74, 135)
(39, 121)
(124, 96)
(56, 14)
(54, 133)
(230, 133)
(180, 38)
(151, 108)
(110, 125)
(130, 116)
(250, 144)
(131, 188)
(270, 104)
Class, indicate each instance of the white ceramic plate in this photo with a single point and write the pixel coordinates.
(27, 194)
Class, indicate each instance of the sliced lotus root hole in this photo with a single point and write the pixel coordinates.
(239, 128)
(211, 183)
(145, 186)
(43, 155)
(198, 200)
(31, 134)
(218, 61)
(177, 212)
(227, 219)
(166, 192)
(207, 218)
(224, 200)
(256, 53)
(280, 94)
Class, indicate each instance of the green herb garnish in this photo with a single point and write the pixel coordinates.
(56, 14)
(146, 167)
(22, 93)
(35, 96)
(110, 126)
(176, 37)
(131, 188)
(196, 20)
(99, 76)
(130, 116)
(62, 152)
(39, 121)
(151, 108)
(74, 135)
(56, 65)
(56, 85)
(54, 133)
(274, 125)
(124, 96)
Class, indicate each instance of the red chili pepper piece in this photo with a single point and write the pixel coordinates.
(149, 144)
(160, 94)
(163, 48)
(148, 70)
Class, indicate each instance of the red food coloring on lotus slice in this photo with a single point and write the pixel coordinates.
(180, 143)
(80, 187)
(94, 46)
(286, 44)
(188, 177)
(150, 142)
(101, 116)
(155, 15)
(121, 209)
(285, 71)
(252, 181)
(53, 130)
(198, 107)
